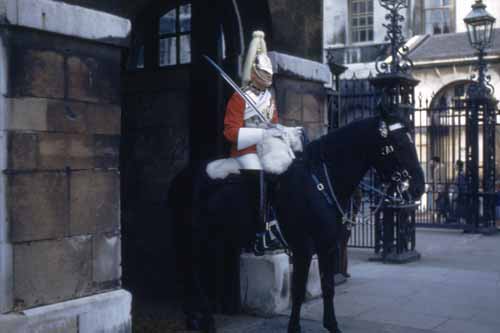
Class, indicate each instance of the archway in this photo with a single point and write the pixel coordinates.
(447, 129)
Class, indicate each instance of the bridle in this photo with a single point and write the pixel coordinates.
(399, 181)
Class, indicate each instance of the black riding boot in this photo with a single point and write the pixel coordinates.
(258, 196)
(262, 238)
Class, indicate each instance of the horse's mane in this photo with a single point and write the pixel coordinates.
(348, 152)
(360, 135)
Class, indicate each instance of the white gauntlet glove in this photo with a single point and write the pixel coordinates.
(273, 132)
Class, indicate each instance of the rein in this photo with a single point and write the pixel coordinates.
(331, 198)
(397, 178)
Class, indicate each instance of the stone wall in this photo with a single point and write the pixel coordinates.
(438, 76)
(297, 27)
(300, 93)
(61, 126)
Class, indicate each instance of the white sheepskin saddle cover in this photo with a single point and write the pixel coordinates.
(275, 154)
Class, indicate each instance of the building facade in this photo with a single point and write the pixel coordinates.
(444, 63)
(102, 104)
(355, 36)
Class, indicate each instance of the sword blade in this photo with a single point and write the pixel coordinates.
(236, 88)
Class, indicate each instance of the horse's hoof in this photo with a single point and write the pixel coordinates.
(204, 324)
(332, 328)
(294, 328)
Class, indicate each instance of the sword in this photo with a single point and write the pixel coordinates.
(237, 89)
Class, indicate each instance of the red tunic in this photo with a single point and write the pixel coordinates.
(234, 120)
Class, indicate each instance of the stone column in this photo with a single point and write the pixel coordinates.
(60, 119)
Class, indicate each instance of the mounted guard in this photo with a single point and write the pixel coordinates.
(259, 145)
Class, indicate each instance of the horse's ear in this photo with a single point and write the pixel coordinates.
(383, 130)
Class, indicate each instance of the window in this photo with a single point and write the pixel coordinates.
(361, 21)
(175, 36)
(438, 16)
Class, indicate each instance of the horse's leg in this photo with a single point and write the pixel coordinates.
(301, 263)
(199, 316)
(326, 260)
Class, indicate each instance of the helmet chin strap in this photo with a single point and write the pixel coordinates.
(266, 81)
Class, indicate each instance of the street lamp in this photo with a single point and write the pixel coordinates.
(482, 108)
(480, 27)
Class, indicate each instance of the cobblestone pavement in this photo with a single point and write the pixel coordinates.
(455, 288)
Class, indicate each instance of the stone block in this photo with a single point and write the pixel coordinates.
(53, 151)
(4, 222)
(81, 75)
(104, 119)
(66, 325)
(104, 313)
(3, 150)
(107, 258)
(313, 287)
(315, 131)
(52, 271)
(265, 283)
(95, 202)
(60, 150)
(93, 80)
(27, 114)
(38, 206)
(299, 68)
(63, 116)
(6, 278)
(80, 152)
(110, 314)
(107, 151)
(311, 109)
(65, 19)
(22, 151)
(39, 73)
(293, 107)
(13, 323)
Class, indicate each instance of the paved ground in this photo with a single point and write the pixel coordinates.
(455, 288)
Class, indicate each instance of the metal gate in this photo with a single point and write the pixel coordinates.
(441, 140)
(357, 101)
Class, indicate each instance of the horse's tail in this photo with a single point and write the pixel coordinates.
(184, 201)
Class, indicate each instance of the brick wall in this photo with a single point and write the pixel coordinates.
(62, 127)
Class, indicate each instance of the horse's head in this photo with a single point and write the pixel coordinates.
(397, 161)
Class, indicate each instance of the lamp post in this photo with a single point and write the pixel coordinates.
(481, 108)
(480, 30)
(395, 86)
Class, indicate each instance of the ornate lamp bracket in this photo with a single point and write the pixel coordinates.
(399, 61)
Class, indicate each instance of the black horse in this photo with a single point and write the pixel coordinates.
(309, 199)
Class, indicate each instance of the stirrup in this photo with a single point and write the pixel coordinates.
(275, 231)
(260, 244)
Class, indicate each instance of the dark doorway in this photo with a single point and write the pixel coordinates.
(173, 106)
